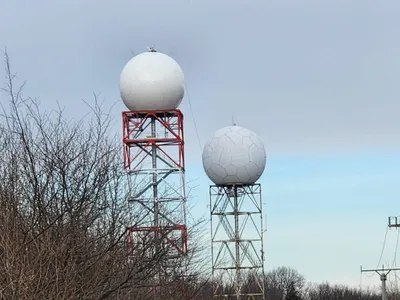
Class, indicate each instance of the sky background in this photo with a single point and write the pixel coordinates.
(316, 80)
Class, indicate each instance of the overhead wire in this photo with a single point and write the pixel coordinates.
(194, 119)
(195, 124)
(394, 263)
(383, 247)
(382, 251)
(395, 249)
(197, 135)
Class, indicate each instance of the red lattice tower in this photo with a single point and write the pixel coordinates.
(155, 163)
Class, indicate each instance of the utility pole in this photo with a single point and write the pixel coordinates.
(383, 276)
(394, 222)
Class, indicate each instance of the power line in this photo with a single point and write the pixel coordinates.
(383, 247)
(382, 251)
(195, 125)
(393, 222)
(395, 249)
(194, 119)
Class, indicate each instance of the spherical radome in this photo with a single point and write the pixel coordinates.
(152, 81)
(234, 155)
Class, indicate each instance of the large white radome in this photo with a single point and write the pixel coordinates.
(234, 155)
(152, 81)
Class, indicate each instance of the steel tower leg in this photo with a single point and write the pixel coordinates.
(154, 162)
(237, 249)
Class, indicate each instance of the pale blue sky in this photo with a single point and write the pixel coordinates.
(316, 80)
(326, 213)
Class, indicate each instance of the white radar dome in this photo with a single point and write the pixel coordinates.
(152, 81)
(234, 155)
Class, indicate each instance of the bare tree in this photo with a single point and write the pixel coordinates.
(280, 280)
(62, 208)
(325, 291)
(392, 286)
(286, 283)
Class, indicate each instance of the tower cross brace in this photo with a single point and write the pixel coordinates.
(237, 250)
(154, 162)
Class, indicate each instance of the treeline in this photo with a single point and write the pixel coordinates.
(285, 283)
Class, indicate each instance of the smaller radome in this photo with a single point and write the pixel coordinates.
(234, 155)
(152, 81)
